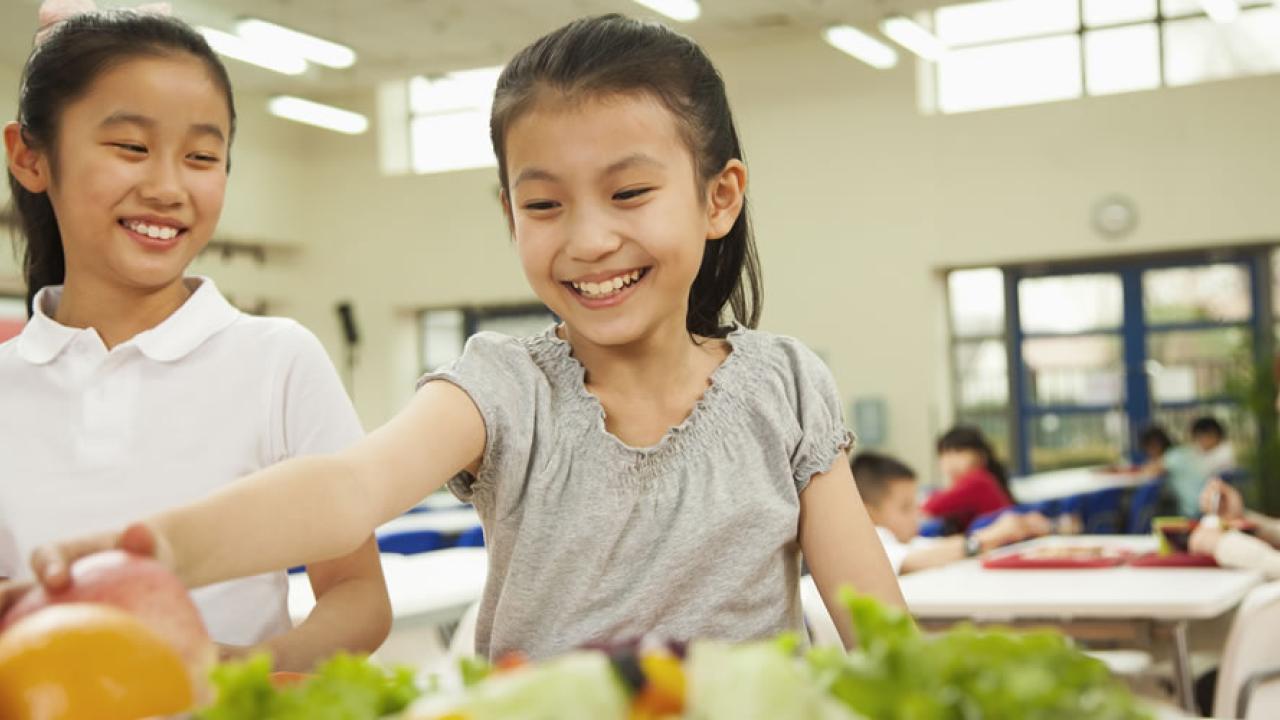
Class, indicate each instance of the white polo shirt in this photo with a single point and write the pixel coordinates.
(91, 439)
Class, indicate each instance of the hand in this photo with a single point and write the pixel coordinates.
(1230, 504)
(1205, 539)
(1035, 525)
(52, 563)
(10, 592)
(1008, 528)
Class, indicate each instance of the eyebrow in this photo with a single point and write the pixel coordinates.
(630, 161)
(128, 118)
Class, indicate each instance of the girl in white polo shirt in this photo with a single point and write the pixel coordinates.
(134, 388)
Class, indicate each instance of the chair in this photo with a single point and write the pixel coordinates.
(822, 629)
(986, 519)
(471, 538)
(932, 527)
(1249, 677)
(1100, 512)
(410, 542)
(1143, 504)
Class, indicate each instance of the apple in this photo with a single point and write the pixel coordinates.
(140, 586)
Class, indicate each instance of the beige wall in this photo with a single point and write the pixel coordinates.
(858, 200)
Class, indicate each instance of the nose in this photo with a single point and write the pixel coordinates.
(162, 186)
(590, 235)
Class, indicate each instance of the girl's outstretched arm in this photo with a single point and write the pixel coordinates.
(307, 509)
(840, 545)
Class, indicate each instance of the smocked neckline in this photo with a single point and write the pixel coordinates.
(572, 371)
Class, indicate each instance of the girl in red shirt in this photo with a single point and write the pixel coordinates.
(978, 482)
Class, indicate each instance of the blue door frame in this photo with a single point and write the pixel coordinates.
(1134, 332)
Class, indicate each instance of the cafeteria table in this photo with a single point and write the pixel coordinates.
(1118, 600)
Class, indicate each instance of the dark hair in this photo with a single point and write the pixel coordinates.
(1154, 435)
(1208, 426)
(612, 54)
(61, 69)
(968, 437)
(873, 472)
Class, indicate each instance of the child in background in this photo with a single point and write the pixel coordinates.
(1154, 443)
(1230, 547)
(888, 487)
(641, 467)
(135, 388)
(977, 481)
(1189, 467)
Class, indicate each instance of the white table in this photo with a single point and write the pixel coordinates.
(1165, 598)
(448, 522)
(1065, 483)
(427, 591)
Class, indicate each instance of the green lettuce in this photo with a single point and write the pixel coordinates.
(345, 687)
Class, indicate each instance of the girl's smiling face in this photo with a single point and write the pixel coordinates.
(609, 215)
(140, 172)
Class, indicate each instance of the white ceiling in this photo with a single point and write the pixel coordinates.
(401, 38)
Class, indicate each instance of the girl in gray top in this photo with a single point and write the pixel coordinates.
(641, 467)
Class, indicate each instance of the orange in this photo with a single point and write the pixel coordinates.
(79, 660)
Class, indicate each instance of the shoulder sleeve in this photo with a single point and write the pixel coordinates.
(817, 407)
(317, 416)
(505, 384)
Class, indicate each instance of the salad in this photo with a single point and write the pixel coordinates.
(896, 673)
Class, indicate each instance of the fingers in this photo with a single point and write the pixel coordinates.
(11, 592)
(52, 563)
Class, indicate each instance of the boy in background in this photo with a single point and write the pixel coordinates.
(889, 490)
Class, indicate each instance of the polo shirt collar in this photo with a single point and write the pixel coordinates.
(202, 316)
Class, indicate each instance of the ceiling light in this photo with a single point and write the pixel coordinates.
(860, 45)
(313, 113)
(913, 36)
(321, 52)
(237, 48)
(682, 10)
(1221, 11)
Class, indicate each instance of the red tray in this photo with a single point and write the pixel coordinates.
(1018, 561)
(1174, 560)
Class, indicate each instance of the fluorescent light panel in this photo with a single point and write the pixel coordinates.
(317, 50)
(913, 36)
(314, 113)
(682, 10)
(237, 48)
(852, 41)
(1221, 11)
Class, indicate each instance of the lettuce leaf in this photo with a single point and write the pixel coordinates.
(345, 687)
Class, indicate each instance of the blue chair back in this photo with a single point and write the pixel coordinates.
(1101, 513)
(931, 527)
(986, 519)
(411, 542)
(1144, 502)
(472, 538)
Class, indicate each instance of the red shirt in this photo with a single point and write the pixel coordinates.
(974, 493)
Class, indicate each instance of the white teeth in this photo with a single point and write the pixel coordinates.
(608, 287)
(159, 232)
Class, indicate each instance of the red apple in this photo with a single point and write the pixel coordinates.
(140, 586)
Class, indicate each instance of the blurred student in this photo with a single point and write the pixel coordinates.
(1188, 467)
(1231, 547)
(889, 489)
(977, 482)
(1154, 443)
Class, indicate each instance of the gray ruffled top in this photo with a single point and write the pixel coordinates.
(592, 540)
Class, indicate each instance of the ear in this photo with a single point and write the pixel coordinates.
(506, 211)
(726, 193)
(28, 165)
